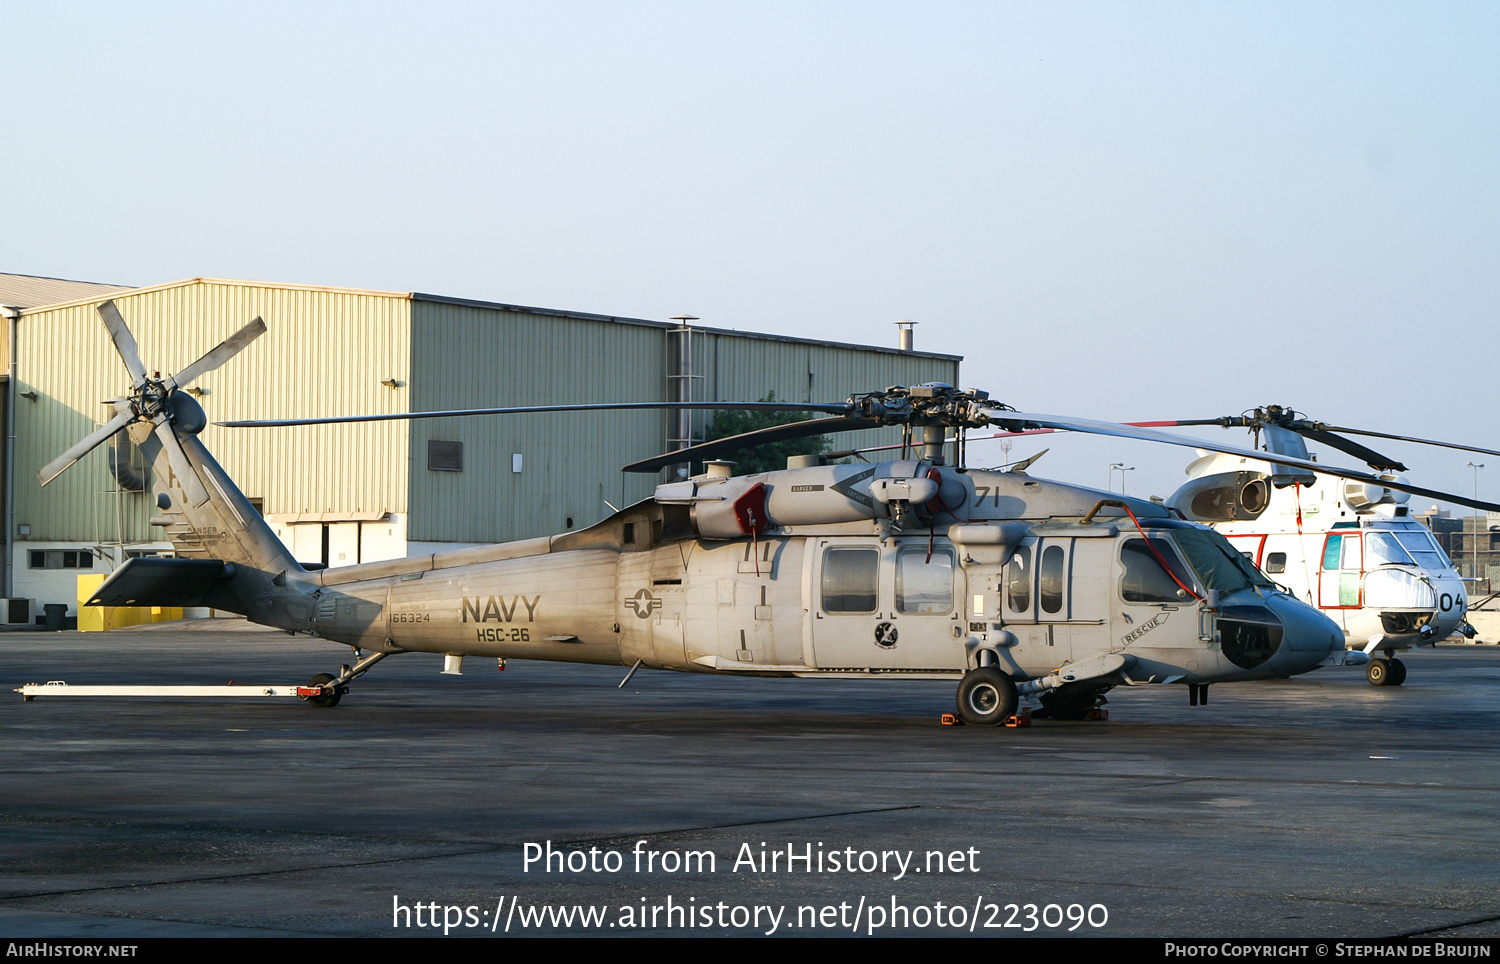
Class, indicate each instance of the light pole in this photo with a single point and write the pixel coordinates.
(1122, 468)
(1476, 467)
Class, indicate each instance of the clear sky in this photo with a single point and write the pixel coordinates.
(1119, 211)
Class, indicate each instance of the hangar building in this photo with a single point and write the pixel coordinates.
(349, 493)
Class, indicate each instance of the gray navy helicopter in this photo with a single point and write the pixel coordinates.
(1008, 586)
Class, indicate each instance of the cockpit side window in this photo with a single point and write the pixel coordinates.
(1331, 552)
(1352, 558)
(1144, 580)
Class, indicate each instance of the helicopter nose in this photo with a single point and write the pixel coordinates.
(1308, 636)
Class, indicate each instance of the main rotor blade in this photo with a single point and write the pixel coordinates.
(761, 436)
(1408, 438)
(124, 342)
(838, 408)
(218, 355)
(1369, 456)
(82, 447)
(187, 476)
(1152, 435)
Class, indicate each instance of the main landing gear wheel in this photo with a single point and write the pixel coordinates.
(1398, 672)
(986, 697)
(327, 699)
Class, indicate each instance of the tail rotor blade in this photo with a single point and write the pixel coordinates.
(124, 342)
(219, 354)
(187, 476)
(81, 448)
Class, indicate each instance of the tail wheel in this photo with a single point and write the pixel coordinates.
(1378, 672)
(986, 697)
(1398, 672)
(327, 699)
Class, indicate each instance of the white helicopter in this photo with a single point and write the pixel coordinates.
(1007, 585)
(1351, 548)
(1347, 546)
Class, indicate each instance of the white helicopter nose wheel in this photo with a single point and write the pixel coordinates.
(986, 697)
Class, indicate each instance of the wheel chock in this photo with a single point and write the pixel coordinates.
(1022, 718)
(1098, 713)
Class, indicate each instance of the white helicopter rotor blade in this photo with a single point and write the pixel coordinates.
(1408, 438)
(124, 342)
(218, 355)
(1152, 435)
(82, 447)
(187, 476)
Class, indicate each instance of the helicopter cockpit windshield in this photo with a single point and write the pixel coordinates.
(1410, 548)
(1216, 565)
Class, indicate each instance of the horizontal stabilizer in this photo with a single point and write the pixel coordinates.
(160, 582)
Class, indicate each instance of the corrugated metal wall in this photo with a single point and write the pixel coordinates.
(324, 353)
(476, 356)
(469, 356)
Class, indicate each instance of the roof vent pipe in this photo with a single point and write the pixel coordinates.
(903, 339)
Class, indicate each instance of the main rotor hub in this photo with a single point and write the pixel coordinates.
(928, 404)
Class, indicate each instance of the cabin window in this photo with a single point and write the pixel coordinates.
(1050, 593)
(924, 585)
(1276, 562)
(1018, 580)
(850, 580)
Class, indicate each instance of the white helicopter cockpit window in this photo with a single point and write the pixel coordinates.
(1385, 550)
(850, 580)
(1018, 580)
(1342, 551)
(924, 585)
(1424, 549)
